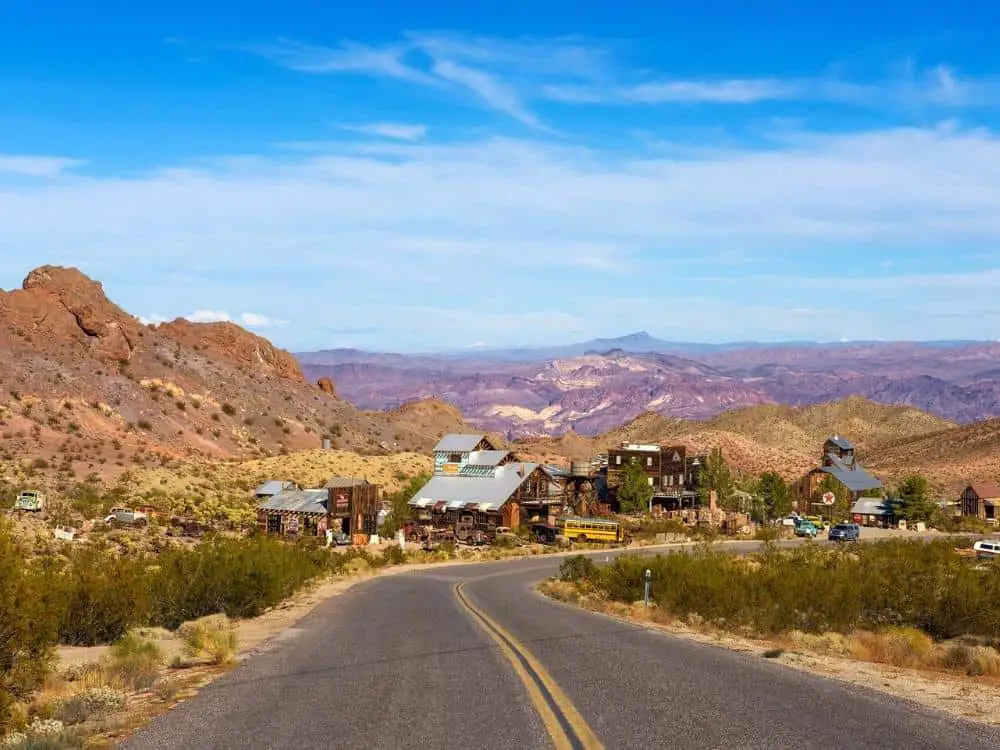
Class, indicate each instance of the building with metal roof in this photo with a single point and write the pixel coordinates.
(840, 463)
(273, 487)
(297, 501)
(872, 511)
(462, 443)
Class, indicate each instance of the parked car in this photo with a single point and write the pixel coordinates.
(844, 532)
(806, 528)
(816, 521)
(126, 517)
(30, 500)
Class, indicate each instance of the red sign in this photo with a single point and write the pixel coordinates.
(829, 498)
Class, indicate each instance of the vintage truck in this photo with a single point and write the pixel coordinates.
(126, 517)
(30, 500)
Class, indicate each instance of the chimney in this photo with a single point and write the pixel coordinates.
(713, 501)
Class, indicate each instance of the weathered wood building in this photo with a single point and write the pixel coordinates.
(838, 461)
(981, 500)
(477, 483)
(671, 471)
(345, 504)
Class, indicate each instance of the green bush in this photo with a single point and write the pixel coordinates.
(29, 627)
(916, 584)
(577, 568)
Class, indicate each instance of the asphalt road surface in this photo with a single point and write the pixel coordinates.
(417, 661)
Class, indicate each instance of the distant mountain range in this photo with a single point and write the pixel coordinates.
(593, 386)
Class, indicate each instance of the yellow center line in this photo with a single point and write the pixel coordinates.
(538, 686)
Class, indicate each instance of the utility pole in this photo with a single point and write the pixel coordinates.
(649, 578)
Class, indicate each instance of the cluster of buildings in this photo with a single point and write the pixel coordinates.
(484, 487)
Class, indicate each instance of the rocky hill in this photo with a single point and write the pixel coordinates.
(85, 388)
(592, 391)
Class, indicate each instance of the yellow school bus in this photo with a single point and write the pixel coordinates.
(578, 529)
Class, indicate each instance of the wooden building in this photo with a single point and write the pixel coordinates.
(838, 461)
(344, 504)
(475, 483)
(671, 471)
(981, 500)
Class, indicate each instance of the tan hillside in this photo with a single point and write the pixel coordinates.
(787, 439)
(948, 458)
(86, 389)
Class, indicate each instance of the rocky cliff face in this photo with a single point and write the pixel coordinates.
(85, 385)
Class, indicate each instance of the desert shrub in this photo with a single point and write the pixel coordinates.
(577, 568)
(212, 638)
(103, 596)
(394, 555)
(43, 734)
(29, 617)
(135, 661)
(238, 577)
(95, 701)
(875, 587)
(228, 409)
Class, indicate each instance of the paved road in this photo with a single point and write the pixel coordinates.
(408, 661)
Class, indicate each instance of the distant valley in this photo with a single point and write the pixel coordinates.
(595, 386)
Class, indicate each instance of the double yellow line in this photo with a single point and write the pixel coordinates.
(565, 725)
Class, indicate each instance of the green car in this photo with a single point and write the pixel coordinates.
(806, 528)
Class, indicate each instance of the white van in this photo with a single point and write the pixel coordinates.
(987, 548)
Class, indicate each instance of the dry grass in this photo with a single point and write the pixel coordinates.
(212, 639)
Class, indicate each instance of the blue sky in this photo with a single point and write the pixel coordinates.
(424, 176)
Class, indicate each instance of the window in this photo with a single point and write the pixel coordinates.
(618, 460)
(454, 458)
(649, 460)
(670, 480)
(650, 481)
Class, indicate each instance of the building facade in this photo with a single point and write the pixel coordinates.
(981, 500)
(671, 471)
(839, 461)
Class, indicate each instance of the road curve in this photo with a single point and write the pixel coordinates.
(406, 661)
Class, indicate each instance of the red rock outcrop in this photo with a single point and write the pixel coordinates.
(237, 345)
(59, 307)
(326, 385)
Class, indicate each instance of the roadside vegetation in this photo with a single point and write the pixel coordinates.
(89, 595)
(905, 603)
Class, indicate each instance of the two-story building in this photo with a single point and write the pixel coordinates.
(839, 461)
(475, 481)
(673, 474)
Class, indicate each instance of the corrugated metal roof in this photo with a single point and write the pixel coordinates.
(491, 492)
(870, 506)
(841, 442)
(458, 443)
(487, 458)
(337, 482)
(273, 487)
(856, 479)
(297, 501)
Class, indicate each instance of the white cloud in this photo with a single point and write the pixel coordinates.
(349, 57)
(256, 320)
(488, 88)
(398, 130)
(37, 166)
(209, 316)
(347, 237)
(731, 91)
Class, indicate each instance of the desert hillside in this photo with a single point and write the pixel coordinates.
(761, 438)
(88, 390)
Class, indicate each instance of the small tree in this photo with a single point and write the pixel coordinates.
(776, 494)
(634, 492)
(911, 500)
(399, 504)
(717, 476)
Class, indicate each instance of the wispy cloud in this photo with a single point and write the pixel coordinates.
(37, 166)
(248, 319)
(348, 57)
(488, 88)
(731, 91)
(397, 130)
(362, 233)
